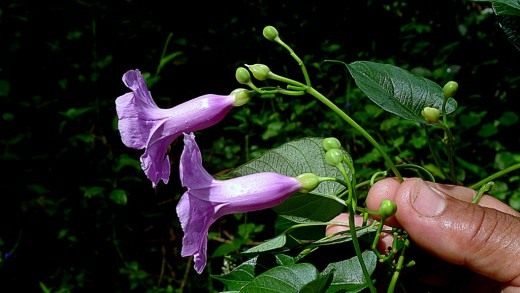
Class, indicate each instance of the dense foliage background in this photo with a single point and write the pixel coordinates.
(77, 212)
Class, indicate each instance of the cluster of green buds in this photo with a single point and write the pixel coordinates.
(431, 114)
(334, 154)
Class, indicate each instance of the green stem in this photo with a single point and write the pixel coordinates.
(311, 91)
(418, 168)
(352, 225)
(357, 249)
(494, 176)
(450, 151)
(434, 153)
(378, 235)
(485, 188)
(297, 59)
(291, 82)
(400, 262)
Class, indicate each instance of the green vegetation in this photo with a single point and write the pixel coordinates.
(78, 212)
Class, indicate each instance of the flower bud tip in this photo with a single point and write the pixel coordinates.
(260, 71)
(270, 33)
(309, 181)
(431, 115)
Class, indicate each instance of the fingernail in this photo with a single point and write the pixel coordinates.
(427, 201)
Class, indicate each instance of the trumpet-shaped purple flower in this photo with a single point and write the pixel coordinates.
(143, 125)
(208, 199)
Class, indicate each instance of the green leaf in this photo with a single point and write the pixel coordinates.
(73, 113)
(272, 244)
(283, 279)
(506, 159)
(168, 58)
(5, 88)
(284, 260)
(228, 248)
(397, 90)
(487, 130)
(92, 191)
(471, 119)
(507, 7)
(514, 201)
(508, 118)
(127, 161)
(319, 285)
(348, 275)
(343, 237)
(118, 196)
(292, 159)
(240, 276)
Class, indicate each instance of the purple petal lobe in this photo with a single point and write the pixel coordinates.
(208, 199)
(143, 125)
(192, 173)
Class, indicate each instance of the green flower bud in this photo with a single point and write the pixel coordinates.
(334, 156)
(450, 88)
(270, 33)
(241, 97)
(242, 75)
(330, 143)
(260, 71)
(387, 208)
(309, 181)
(431, 115)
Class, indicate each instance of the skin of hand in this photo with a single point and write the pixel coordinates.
(442, 220)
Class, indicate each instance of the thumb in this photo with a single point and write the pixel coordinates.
(483, 239)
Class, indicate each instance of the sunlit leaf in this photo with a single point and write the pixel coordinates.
(283, 279)
(348, 275)
(397, 90)
(295, 158)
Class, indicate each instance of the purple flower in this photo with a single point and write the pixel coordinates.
(143, 125)
(208, 199)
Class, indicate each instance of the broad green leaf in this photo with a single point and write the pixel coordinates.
(397, 90)
(348, 276)
(319, 285)
(312, 206)
(272, 244)
(240, 276)
(508, 15)
(228, 247)
(282, 279)
(292, 159)
(284, 260)
(506, 7)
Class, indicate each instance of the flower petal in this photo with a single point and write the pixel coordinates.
(192, 173)
(135, 81)
(137, 112)
(196, 216)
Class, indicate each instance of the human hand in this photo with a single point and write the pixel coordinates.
(441, 219)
